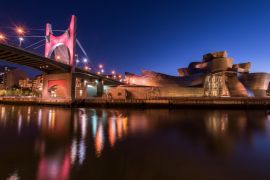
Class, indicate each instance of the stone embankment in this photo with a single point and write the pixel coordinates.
(149, 103)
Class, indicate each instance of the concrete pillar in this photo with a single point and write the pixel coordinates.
(59, 87)
(100, 88)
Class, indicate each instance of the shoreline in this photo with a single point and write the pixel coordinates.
(169, 103)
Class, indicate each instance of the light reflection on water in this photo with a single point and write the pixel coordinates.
(60, 143)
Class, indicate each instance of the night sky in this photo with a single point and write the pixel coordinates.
(156, 35)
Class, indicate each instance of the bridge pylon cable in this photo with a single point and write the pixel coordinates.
(39, 46)
(81, 47)
(35, 43)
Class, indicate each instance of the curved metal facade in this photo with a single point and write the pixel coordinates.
(216, 73)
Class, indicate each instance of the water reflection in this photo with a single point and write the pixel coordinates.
(58, 143)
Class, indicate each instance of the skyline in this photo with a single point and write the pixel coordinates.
(158, 36)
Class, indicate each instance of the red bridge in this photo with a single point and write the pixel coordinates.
(61, 79)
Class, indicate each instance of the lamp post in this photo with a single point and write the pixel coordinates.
(101, 68)
(20, 31)
(21, 39)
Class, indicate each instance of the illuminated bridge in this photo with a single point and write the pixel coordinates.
(46, 65)
(61, 79)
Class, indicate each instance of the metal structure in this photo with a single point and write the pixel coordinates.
(67, 40)
(23, 57)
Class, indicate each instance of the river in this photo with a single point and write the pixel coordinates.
(54, 143)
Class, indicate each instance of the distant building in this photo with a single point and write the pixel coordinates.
(3, 70)
(37, 83)
(26, 83)
(12, 78)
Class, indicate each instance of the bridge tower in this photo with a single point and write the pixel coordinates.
(62, 49)
(64, 45)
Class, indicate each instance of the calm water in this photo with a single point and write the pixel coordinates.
(59, 143)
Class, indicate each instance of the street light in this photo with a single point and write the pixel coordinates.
(21, 39)
(85, 60)
(100, 66)
(113, 72)
(86, 68)
(20, 31)
(2, 37)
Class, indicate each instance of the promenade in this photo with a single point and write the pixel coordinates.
(204, 102)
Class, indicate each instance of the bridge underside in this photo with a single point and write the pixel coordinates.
(59, 82)
(46, 65)
(19, 56)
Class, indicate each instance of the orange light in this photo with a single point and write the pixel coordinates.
(58, 57)
(2, 37)
(98, 73)
(20, 31)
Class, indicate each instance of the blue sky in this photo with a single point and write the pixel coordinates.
(156, 35)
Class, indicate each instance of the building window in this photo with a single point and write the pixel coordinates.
(81, 92)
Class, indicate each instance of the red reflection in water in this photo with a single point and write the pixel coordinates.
(54, 168)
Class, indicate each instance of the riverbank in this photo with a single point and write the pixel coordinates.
(231, 103)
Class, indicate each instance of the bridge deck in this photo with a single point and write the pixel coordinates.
(49, 66)
(25, 58)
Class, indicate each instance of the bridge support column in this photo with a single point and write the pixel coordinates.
(73, 88)
(59, 87)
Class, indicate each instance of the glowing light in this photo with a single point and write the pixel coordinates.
(82, 150)
(113, 71)
(119, 76)
(21, 39)
(20, 31)
(51, 119)
(119, 128)
(98, 73)
(77, 61)
(2, 37)
(73, 151)
(100, 66)
(99, 139)
(20, 123)
(83, 125)
(102, 70)
(86, 67)
(39, 117)
(94, 125)
(85, 60)
(58, 57)
(112, 131)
